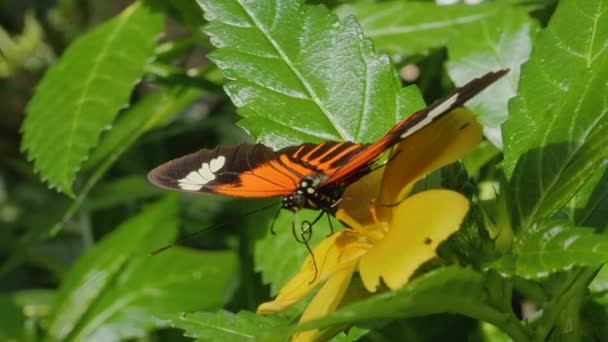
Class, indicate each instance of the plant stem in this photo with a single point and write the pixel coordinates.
(564, 307)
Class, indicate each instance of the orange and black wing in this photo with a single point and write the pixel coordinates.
(413, 124)
(249, 170)
(252, 170)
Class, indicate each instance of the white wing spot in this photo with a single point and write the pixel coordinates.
(195, 180)
(440, 109)
(217, 163)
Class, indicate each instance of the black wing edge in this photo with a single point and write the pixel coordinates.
(410, 125)
(474, 87)
(239, 158)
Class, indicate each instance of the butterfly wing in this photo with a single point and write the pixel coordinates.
(251, 170)
(413, 124)
(255, 170)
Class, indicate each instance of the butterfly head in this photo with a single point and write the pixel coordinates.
(311, 195)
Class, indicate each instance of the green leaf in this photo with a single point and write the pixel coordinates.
(117, 290)
(504, 42)
(81, 94)
(414, 27)
(299, 74)
(480, 156)
(448, 289)
(152, 111)
(353, 334)
(125, 190)
(600, 282)
(224, 325)
(478, 38)
(590, 204)
(12, 320)
(152, 287)
(556, 133)
(93, 273)
(552, 247)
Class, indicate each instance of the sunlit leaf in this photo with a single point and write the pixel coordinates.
(299, 74)
(556, 135)
(600, 282)
(501, 43)
(94, 272)
(553, 247)
(150, 288)
(449, 289)
(403, 27)
(118, 291)
(81, 94)
(479, 39)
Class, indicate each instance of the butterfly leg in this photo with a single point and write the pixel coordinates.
(331, 226)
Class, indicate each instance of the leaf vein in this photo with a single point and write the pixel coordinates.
(309, 89)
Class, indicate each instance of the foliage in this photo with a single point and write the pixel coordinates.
(78, 219)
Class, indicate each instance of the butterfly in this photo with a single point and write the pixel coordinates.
(309, 175)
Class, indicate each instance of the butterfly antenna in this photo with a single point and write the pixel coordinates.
(276, 216)
(303, 237)
(208, 228)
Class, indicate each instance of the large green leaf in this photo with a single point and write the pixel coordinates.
(152, 111)
(12, 319)
(479, 39)
(224, 326)
(80, 96)
(557, 131)
(150, 287)
(448, 289)
(590, 204)
(503, 42)
(406, 28)
(116, 290)
(552, 247)
(299, 74)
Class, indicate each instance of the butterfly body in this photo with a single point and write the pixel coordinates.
(309, 175)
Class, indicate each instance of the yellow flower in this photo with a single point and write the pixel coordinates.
(386, 244)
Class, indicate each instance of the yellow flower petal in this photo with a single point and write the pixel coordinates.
(419, 224)
(442, 142)
(332, 254)
(326, 300)
(356, 200)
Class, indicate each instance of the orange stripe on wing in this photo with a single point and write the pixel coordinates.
(331, 162)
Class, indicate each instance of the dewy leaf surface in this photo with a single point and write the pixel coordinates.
(299, 74)
(557, 132)
(552, 247)
(80, 96)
